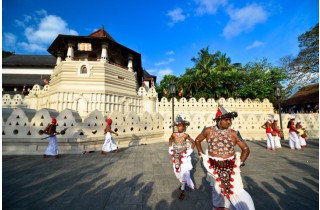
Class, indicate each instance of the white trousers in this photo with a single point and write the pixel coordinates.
(302, 141)
(52, 148)
(277, 141)
(294, 141)
(240, 199)
(109, 143)
(270, 141)
(183, 174)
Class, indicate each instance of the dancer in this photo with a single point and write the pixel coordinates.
(294, 141)
(109, 143)
(276, 133)
(52, 149)
(180, 151)
(223, 163)
(301, 133)
(270, 140)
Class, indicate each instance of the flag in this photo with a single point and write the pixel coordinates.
(181, 93)
(23, 89)
(164, 91)
(46, 81)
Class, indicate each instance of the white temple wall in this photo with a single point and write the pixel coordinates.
(134, 124)
(21, 128)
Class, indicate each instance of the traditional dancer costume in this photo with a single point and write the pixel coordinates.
(180, 151)
(276, 133)
(294, 141)
(52, 149)
(109, 142)
(223, 165)
(302, 137)
(270, 140)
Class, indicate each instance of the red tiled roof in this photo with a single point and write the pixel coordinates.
(306, 95)
(101, 33)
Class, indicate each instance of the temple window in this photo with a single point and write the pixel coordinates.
(83, 69)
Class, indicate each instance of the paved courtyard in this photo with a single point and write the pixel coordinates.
(141, 177)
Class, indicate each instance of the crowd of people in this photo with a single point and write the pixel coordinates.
(300, 109)
(220, 160)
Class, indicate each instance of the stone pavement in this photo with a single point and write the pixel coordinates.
(141, 177)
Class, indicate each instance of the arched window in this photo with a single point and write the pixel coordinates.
(83, 69)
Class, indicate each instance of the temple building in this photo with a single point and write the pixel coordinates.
(85, 73)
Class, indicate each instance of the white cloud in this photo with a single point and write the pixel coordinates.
(31, 47)
(171, 52)
(162, 63)
(48, 29)
(209, 6)
(40, 30)
(19, 23)
(176, 16)
(255, 44)
(27, 18)
(160, 73)
(9, 40)
(42, 12)
(244, 20)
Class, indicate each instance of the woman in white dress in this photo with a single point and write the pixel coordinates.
(109, 142)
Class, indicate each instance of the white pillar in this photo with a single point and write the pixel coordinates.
(104, 53)
(58, 59)
(130, 65)
(70, 52)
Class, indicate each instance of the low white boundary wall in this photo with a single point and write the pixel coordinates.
(21, 125)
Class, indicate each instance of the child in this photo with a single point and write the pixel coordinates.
(109, 143)
(180, 151)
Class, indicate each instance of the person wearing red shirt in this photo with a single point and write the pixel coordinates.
(294, 141)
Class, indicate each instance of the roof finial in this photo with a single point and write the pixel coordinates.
(102, 28)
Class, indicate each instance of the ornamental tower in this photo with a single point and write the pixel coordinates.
(92, 73)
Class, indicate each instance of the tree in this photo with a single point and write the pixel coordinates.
(6, 53)
(304, 69)
(260, 79)
(163, 89)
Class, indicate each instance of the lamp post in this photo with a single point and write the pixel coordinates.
(278, 95)
(172, 92)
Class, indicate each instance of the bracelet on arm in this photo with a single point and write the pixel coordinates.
(242, 163)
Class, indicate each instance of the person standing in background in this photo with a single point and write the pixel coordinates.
(276, 133)
(301, 133)
(270, 140)
(51, 130)
(109, 143)
(294, 141)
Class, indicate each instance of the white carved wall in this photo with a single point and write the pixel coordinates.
(21, 125)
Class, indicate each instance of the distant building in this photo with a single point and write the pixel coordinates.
(21, 72)
(304, 100)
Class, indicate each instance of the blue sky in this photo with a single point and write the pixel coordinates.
(167, 34)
